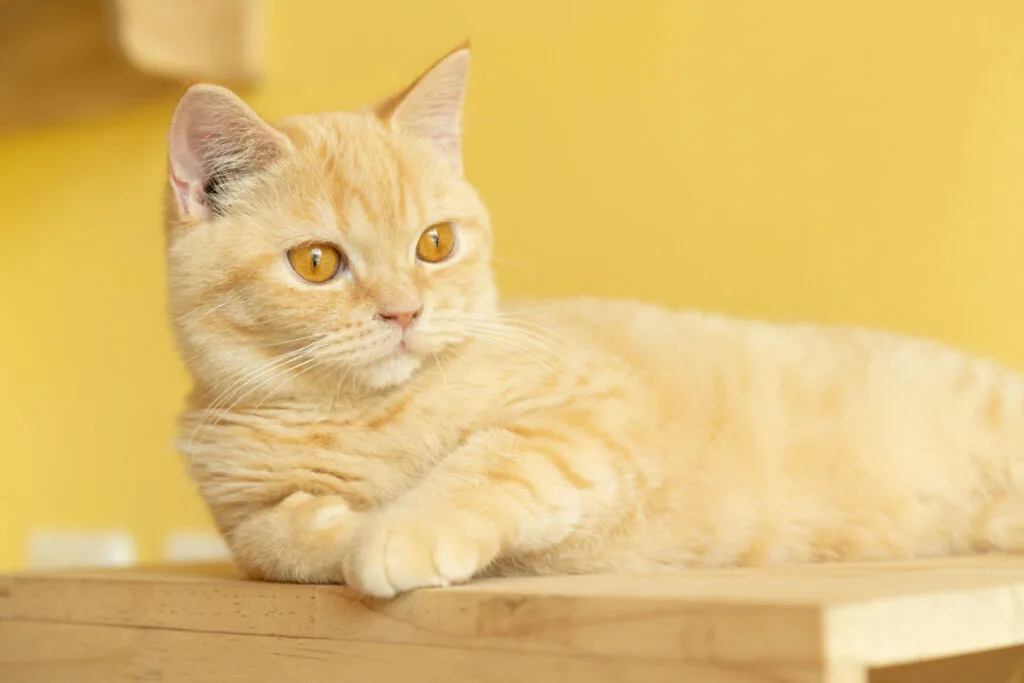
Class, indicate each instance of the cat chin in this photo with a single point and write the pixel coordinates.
(391, 371)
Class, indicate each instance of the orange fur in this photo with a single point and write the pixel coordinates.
(566, 436)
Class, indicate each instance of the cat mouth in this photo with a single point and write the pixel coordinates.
(402, 346)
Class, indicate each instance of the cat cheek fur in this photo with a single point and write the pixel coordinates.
(560, 437)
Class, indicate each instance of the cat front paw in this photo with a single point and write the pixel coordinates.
(397, 553)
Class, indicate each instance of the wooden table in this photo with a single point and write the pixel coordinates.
(840, 624)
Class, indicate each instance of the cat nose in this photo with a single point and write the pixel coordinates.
(401, 318)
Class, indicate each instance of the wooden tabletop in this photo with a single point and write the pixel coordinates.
(800, 624)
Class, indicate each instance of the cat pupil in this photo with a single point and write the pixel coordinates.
(436, 239)
(316, 258)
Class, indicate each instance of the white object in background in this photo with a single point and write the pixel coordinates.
(195, 546)
(70, 549)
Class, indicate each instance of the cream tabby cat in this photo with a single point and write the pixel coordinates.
(365, 411)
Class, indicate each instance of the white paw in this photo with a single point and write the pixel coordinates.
(397, 554)
(329, 516)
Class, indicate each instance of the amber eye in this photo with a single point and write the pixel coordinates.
(436, 243)
(316, 262)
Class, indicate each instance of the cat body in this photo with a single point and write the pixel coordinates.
(366, 411)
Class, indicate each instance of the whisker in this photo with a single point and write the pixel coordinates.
(287, 342)
(279, 372)
(510, 344)
(540, 332)
(536, 340)
(195, 323)
(270, 363)
(444, 378)
(540, 329)
(271, 366)
(337, 392)
(307, 365)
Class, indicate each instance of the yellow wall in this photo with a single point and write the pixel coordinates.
(857, 162)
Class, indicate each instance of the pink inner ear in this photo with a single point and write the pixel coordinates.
(186, 169)
(188, 203)
(432, 107)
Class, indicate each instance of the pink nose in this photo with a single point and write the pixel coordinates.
(401, 318)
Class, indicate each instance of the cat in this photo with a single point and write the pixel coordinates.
(366, 411)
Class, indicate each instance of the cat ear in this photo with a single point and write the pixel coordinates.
(215, 138)
(431, 108)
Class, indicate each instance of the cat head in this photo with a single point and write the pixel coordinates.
(341, 248)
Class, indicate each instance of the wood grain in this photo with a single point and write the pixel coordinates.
(112, 654)
(819, 623)
(521, 622)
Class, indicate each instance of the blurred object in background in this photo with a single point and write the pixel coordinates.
(58, 549)
(62, 60)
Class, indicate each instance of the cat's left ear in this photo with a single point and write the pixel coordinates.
(431, 108)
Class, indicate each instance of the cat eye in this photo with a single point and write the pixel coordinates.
(315, 262)
(436, 243)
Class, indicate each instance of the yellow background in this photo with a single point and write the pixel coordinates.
(858, 162)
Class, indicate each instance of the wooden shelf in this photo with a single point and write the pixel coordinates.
(63, 60)
(838, 624)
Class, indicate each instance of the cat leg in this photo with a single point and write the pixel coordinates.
(501, 492)
(301, 539)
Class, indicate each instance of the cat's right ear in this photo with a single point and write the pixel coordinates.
(215, 139)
